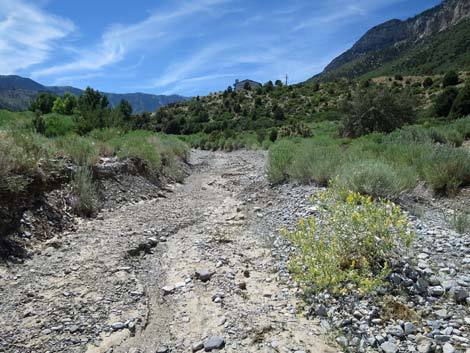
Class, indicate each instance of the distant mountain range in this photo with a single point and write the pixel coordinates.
(434, 41)
(16, 93)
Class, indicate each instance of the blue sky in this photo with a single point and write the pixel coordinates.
(185, 47)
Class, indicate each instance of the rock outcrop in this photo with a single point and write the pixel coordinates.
(396, 36)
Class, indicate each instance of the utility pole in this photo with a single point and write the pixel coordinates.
(286, 78)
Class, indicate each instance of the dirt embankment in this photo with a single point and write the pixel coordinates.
(33, 208)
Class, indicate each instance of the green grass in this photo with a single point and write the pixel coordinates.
(15, 121)
(81, 150)
(85, 201)
(460, 221)
(22, 150)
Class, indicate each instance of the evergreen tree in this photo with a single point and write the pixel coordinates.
(461, 106)
(444, 102)
(43, 103)
(450, 79)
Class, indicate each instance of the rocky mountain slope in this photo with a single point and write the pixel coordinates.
(398, 40)
(16, 93)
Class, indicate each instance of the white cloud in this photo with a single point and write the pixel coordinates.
(158, 28)
(185, 69)
(28, 35)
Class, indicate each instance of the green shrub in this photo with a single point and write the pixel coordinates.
(444, 101)
(58, 125)
(447, 169)
(462, 126)
(43, 103)
(450, 79)
(371, 177)
(375, 110)
(65, 105)
(85, 202)
(428, 82)
(279, 160)
(461, 105)
(350, 244)
(6, 154)
(314, 163)
(298, 129)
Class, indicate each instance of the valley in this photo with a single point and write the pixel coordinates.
(267, 207)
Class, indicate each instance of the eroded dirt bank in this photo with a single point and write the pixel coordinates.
(125, 282)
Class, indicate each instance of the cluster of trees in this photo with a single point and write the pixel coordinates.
(273, 109)
(262, 108)
(252, 109)
(89, 111)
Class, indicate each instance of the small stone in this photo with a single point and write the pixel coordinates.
(459, 294)
(242, 285)
(448, 348)
(436, 291)
(222, 321)
(342, 341)
(215, 342)
(167, 290)
(409, 328)
(73, 328)
(118, 326)
(421, 285)
(204, 275)
(442, 313)
(434, 281)
(46, 332)
(389, 347)
(424, 344)
(396, 278)
(320, 310)
(395, 331)
(162, 349)
(442, 338)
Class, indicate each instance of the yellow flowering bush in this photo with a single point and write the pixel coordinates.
(350, 243)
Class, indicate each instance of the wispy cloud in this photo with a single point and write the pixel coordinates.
(120, 40)
(190, 47)
(28, 35)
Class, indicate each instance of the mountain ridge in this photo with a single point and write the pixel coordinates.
(394, 38)
(17, 92)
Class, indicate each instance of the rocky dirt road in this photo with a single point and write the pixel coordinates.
(126, 281)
